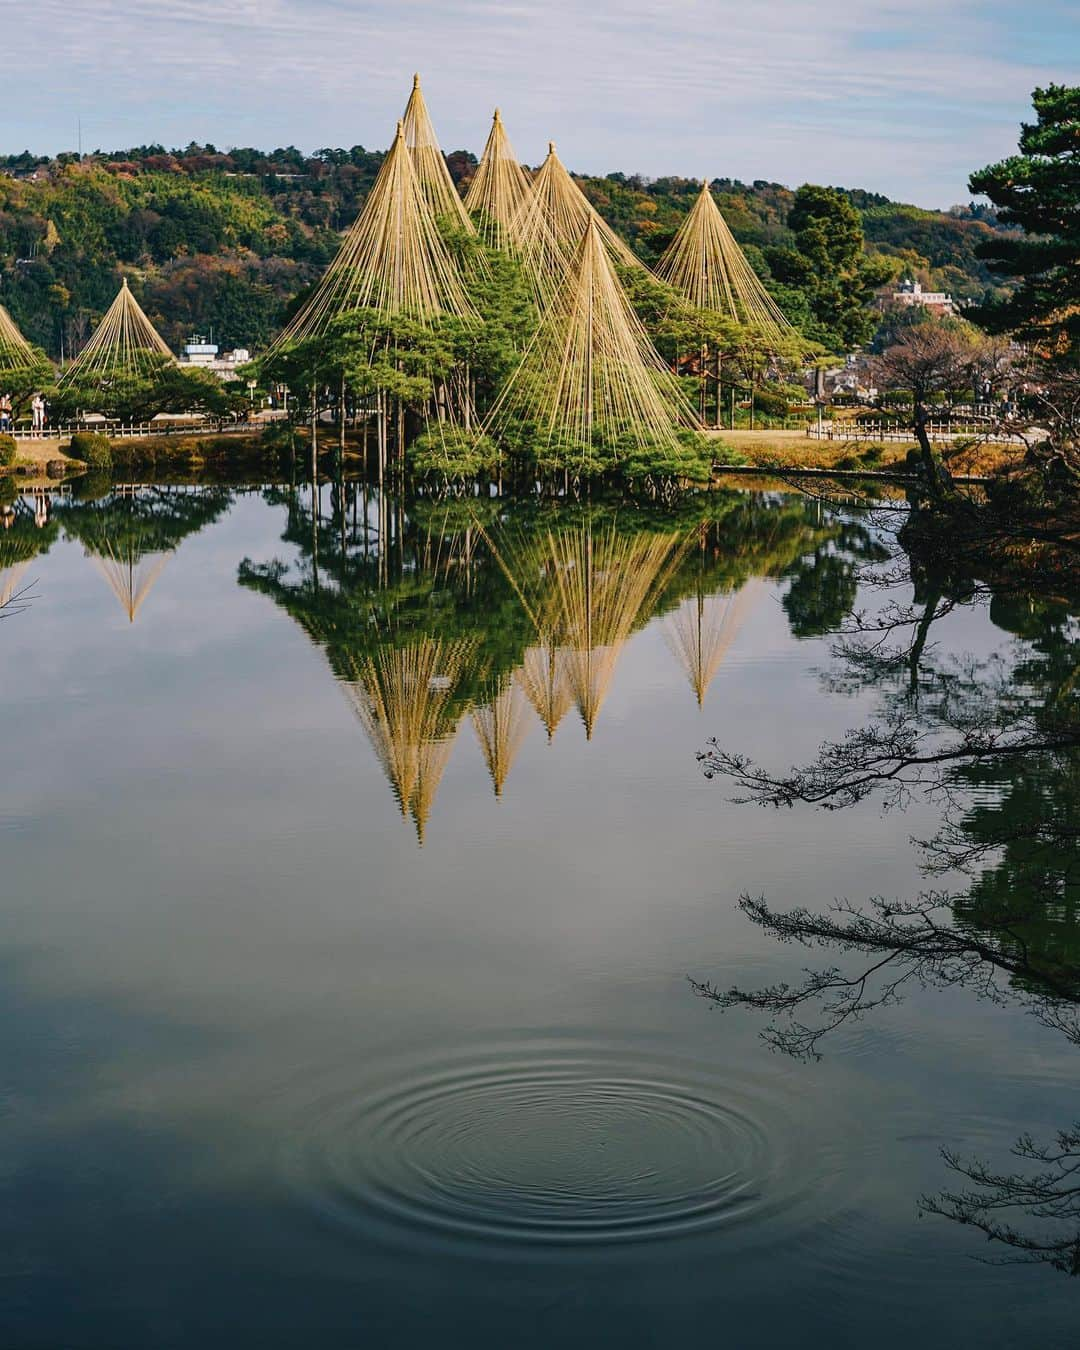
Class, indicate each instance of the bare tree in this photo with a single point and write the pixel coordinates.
(926, 361)
(948, 730)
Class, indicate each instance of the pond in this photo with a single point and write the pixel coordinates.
(350, 900)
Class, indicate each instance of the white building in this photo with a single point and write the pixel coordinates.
(198, 352)
(912, 293)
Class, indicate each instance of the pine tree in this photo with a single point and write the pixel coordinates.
(1038, 190)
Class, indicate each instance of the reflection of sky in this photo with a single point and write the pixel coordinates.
(901, 99)
(211, 900)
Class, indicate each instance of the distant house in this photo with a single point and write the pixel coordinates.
(911, 293)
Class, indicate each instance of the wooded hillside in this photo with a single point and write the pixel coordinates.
(224, 241)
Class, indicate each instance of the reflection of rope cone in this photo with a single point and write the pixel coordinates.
(125, 342)
(501, 729)
(591, 671)
(584, 591)
(498, 188)
(403, 698)
(131, 578)
(543, 678)
(603, 583)
(10, 577)
(702, 630)
(704, 263)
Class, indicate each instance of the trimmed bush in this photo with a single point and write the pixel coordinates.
(770, 403)
(8, 451)
(453, 454)
(94, 449)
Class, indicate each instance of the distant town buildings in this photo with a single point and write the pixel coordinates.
(198, 352)
(911, 293)
(853, 381)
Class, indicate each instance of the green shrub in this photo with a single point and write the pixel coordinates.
(685, 461)
(770, 404)
(452, 453)
(722, 453)
(8, 451)
(94, 449)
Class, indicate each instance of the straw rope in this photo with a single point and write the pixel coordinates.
(701, 631)
(131, 576)
(498, 189)
(501, 729)
(549, 224)
(590, 372)
(15, 352)
(429, 162)
(392, 259)
(125, 342)
(704, 263)
(403, 698)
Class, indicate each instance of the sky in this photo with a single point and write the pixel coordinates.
(904, 97)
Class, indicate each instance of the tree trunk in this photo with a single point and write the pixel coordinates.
(935, 478)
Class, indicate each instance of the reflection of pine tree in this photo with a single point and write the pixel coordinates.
(1023, 825)
(435, 613)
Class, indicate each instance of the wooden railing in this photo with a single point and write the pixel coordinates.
(122, 431)
(943, 430)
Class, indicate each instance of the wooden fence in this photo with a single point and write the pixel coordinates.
(891, 431)
(123, 431)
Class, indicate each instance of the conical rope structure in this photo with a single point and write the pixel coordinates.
(590, 375)
(393, 259)
(404, 698)
(701, 631)
(429, 162)
(705, 264)
(584, 591)
(498, 189)
(15, 352)
(501, 728)
(550, 223)
(125, 342)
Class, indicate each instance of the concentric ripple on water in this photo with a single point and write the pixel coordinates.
(557, 1147)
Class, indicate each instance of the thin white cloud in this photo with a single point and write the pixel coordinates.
(840, 90)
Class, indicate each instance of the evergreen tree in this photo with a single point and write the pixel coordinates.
(830, 266)
(1038, 191)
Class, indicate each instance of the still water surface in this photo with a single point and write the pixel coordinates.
(348, 906)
